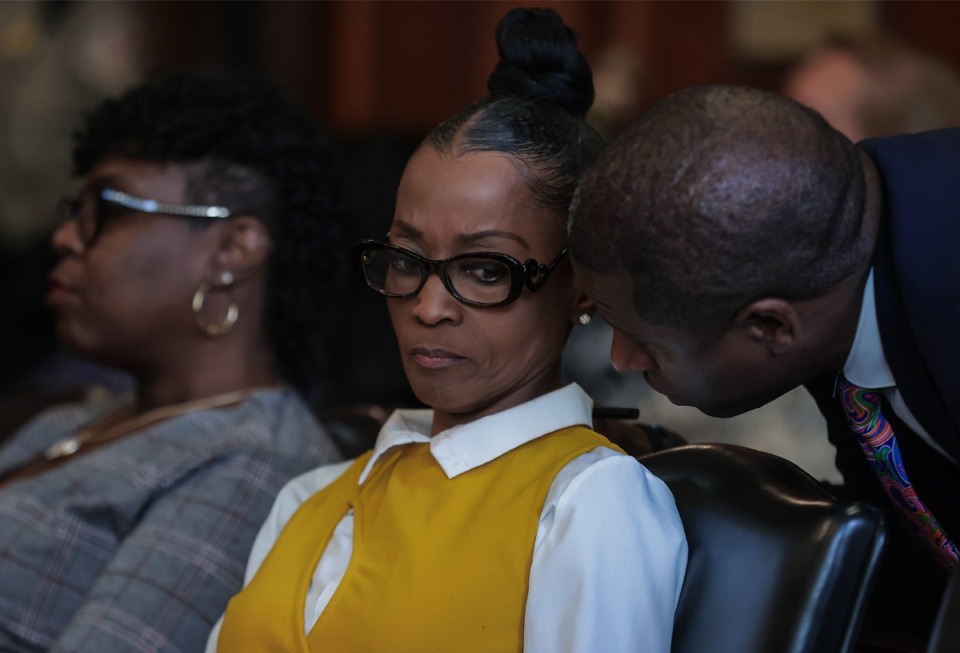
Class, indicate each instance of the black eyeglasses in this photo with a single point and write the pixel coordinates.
(94, 208)
(484, 279)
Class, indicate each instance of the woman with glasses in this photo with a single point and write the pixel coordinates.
(188, 259)
(497, 521)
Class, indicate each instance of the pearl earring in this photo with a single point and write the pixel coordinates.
(226, 277)
(585, 319)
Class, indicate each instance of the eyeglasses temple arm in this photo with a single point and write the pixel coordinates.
(152, 206)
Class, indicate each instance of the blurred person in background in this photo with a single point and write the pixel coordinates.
(497, 521)
(198, 255)
(620, 80)
(877, 86)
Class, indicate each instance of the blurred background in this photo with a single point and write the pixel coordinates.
(380, 75)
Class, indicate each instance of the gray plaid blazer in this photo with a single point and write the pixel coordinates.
(138, 545)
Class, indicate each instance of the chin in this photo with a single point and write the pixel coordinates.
(438, 398)
(709, 410)
(721, 411)
(732, 408)
(453, 400)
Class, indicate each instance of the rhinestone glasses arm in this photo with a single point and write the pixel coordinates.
(152, 206)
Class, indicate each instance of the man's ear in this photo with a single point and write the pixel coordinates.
(771, 322)
(243, 247)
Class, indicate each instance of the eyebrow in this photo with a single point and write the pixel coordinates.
(463, 239)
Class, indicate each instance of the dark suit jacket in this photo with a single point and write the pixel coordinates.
(917, 289)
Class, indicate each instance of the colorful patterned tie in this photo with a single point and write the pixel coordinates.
(880, 446)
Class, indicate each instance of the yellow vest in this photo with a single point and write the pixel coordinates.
(438, 564)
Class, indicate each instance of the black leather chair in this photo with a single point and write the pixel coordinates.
(353, 427)
(777, 565)
(945, 637)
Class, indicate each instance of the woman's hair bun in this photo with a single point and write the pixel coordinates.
(539, 60)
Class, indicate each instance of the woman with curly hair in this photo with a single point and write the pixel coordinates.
(498, 520)
(192, 257)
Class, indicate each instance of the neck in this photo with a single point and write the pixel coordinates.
(212, 367)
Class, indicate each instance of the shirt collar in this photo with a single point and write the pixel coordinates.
(866, 365)
(464, 447)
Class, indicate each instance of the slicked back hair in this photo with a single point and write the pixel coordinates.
(552, 146)
(539, 95)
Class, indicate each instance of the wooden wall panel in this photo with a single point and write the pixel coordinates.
(407, 65)
(401, 67)
(928, 26)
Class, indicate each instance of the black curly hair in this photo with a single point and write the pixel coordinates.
(540, 91)
(255, 152)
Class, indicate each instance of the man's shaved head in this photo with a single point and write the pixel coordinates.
(720, 195)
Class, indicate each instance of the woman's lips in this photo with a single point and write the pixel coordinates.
(435, 358)
(58, 290)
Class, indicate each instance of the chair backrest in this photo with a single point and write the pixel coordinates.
(777, 565)
(945, 637)
(353, 427)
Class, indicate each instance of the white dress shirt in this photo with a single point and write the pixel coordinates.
(610, 552)
(867, 367)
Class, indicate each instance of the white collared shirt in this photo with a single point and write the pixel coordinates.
(867, 367)
(610, 552)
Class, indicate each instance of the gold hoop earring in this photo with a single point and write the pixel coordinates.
(213, 330)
